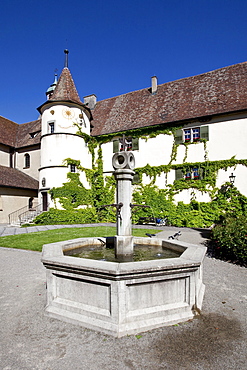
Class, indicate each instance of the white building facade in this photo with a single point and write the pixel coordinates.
(178, 131)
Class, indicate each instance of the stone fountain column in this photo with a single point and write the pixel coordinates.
(124, 163)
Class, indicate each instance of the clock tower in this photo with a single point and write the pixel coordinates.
(63, 114)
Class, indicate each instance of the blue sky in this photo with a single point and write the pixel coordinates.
(115, 46)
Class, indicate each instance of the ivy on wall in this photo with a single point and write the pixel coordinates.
(102, 188)
(73, 194)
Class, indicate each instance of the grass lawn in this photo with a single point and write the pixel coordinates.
(34, 241)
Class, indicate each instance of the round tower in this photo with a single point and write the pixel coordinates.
(62, 115)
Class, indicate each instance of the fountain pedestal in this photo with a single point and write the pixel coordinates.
(123, 163)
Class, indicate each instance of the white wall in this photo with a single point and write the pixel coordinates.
(4, 155)
(57, 113)
(56, 148)
(227, 138)
(12, 200)
(34, 161)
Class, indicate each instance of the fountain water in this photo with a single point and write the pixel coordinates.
(123, 298)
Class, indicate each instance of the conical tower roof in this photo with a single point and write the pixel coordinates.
(65, 89)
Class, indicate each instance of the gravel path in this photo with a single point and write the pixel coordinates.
(29, 340)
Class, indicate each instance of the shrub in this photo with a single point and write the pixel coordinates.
(57, 216)
(229, 239)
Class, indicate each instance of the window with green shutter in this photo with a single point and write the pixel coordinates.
(189, 135)
(130, 144)
(191, 173)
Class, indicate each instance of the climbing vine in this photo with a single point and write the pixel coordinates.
(102, 188)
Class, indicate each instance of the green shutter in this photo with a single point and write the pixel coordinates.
(179, 137)
(201, 176)
(115, 146)
(179, 175)
(135, 143)
(204, 133)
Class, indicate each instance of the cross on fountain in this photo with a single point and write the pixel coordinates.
(125, 143)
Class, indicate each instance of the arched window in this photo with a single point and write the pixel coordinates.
(27, 160)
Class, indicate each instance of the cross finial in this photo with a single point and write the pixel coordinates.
(66, 63)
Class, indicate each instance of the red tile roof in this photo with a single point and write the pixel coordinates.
(11, 177)
(8, 131)
(28, 134)
(217, 92)
(14, 135)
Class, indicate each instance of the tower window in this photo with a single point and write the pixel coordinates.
(26, 160)
(51, 127)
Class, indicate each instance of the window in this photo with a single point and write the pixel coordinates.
(194, 173)
(130, 144)
(72, 168)
(27, 161)
(188, 175)
(30, 203)
(34, 134)
(196, 134)
(191, 135)
(187, 135)
(51, 127)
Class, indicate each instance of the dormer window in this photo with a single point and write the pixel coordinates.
(33, 134)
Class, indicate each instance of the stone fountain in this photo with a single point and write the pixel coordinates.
(123, 297)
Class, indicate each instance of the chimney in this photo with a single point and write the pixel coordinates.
(154, 85)
(90, 101)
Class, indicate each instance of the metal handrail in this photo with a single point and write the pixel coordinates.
(33, 212)
(16, 216)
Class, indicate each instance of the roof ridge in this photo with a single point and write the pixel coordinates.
(9, 120)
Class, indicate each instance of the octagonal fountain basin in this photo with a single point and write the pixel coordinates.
(123, 298)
